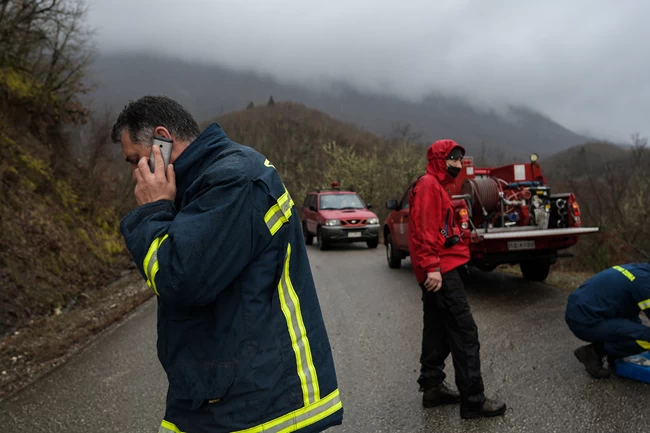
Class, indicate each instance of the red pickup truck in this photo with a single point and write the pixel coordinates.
(507, 215)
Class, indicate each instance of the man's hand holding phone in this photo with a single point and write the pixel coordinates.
(433, 281)
(159, 185)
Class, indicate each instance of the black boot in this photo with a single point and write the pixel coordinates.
(439, 395)
(488, 408)
(591, 356)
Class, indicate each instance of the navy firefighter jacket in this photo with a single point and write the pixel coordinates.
(240, 329)
(620, 292)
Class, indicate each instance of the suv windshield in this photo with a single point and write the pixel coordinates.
(340, 201)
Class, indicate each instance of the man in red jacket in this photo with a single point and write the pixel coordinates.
(437, 253)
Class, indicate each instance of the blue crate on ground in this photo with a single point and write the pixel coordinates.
(632, 368)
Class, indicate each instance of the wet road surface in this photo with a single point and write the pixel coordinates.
(373, 316)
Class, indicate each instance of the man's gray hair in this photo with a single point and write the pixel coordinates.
(143, 116)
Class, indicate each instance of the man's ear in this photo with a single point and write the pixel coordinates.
(161, 131)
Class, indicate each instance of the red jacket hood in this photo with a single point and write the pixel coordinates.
(437, 156)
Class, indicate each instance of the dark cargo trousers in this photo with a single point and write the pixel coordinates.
(621, 337)
(449, 328)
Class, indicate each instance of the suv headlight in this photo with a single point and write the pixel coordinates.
(373, 221)
(332, 223)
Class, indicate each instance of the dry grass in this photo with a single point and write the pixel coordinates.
(565, 280)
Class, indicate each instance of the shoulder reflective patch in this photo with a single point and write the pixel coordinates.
(644, 305)
(300, 418)
(290, 305)
(268, 164)
(151, 266)
(279, 213)
(625, 272)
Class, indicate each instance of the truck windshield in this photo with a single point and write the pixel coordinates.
(340, 202)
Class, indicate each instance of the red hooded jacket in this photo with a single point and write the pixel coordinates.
(429, 205)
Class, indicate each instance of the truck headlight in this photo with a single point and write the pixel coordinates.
(373, 221)
(331, 223)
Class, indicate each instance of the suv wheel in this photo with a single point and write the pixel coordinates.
(393, 256)
(535, 270)
(372, 243)
(322, 243)
(309, 238)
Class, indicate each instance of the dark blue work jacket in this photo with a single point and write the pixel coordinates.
(240, 330)
(620, 292)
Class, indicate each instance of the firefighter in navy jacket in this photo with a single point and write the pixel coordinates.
(240, 331)
(605, 310)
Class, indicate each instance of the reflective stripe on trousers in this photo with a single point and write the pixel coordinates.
(293, 421)
(644, 344)
(151, 266)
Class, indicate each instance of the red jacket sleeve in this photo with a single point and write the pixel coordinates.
(426, 213)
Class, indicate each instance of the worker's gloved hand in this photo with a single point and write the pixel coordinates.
(433, 281)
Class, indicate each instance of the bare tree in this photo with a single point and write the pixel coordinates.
(46, 41)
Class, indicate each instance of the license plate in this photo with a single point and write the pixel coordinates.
(354, 234)
(521, 245)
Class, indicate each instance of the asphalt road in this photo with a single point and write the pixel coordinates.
(373, 315)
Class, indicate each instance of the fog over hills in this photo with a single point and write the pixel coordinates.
(209, 90)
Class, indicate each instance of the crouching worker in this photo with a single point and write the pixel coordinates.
(604, 311)
(216, 236)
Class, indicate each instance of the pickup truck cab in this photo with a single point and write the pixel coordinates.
(336, 215)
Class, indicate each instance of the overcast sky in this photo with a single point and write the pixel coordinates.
(581, 62)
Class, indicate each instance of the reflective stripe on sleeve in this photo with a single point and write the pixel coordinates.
(644, 305)
(290, 305)
(279, 213)
(300, 418)
(150, 264)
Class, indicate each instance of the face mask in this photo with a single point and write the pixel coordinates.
(453, 171)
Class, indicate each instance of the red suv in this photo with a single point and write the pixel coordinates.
(336, 215)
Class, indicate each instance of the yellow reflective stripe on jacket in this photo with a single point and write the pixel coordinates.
(151, 266)
(290, 422)
(644, 305)
(167, 427)
(279, 213)
(625, 272)
(644, 344)
(290, 305)
(300, 418)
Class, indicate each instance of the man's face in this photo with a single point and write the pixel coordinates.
(133, 152)
(458, 163)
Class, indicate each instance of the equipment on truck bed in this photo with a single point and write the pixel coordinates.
(508, 215)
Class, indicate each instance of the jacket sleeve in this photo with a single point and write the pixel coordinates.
(189, 257)
(426, 211)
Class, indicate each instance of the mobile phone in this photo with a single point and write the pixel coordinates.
(165, 145)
